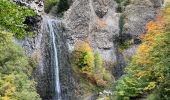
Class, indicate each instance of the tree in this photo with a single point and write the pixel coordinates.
(12, 18)
(14, 80)
(149, 69)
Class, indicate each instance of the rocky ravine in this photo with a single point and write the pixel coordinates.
(95, 21)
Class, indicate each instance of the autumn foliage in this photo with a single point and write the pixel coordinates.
(149, 71)
(89, 65)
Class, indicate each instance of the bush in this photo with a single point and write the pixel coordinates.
(62, 5)
(12, 18)
(48, 4)
(107, 76)
(122, 4)
(98, 62)
(101, 83)
(83, 58)
(85, 63)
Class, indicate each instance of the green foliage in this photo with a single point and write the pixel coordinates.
(62, 5)
(90, 65)
(128, 86)
(149, 70)
(48, 4)
(125, 45)
(107, 76)
(83, 58)
(14, 82)
(100, 71)
(122, 4)
(98, 61)
(121, 23)
(12, 18)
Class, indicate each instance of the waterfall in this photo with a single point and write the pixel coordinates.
(50, 26)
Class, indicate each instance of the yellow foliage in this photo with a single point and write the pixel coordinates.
(143, 56)
(5, 98)
(142, 73)
(9, 85)
(83, 46)
(154, 29)
(89, 65)
(83, 57)
(151, 86)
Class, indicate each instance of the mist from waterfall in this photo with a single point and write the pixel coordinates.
(50, 26)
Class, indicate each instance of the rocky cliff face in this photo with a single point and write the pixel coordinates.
(138, 13)
(36, 5)
(37, 47)
(95, 21)
(98, 22)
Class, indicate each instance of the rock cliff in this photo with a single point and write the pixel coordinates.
(99, 23)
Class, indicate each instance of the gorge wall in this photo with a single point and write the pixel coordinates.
(99, 23)
(95, 21)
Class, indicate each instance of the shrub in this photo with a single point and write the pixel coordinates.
(90, 65)
(48, 4)
(12, 18)
(107, 76)
(101, 83)
(98, 62)
(62, 5)
(83, 58)
(122, 4)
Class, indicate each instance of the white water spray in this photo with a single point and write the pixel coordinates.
(50, 25)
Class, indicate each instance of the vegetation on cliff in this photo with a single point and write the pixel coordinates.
(148, 74)
(88, 65)
(12, 18)
(15, 71)
(49, 4)
(62, 5)
(122, 4)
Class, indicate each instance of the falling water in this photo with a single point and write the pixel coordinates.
(50, 27)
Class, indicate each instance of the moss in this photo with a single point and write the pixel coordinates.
(34, 59)
(121, 24)
(125, 45)
(62, 6)
(48, 4)
(107, 76)
(122, 4)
